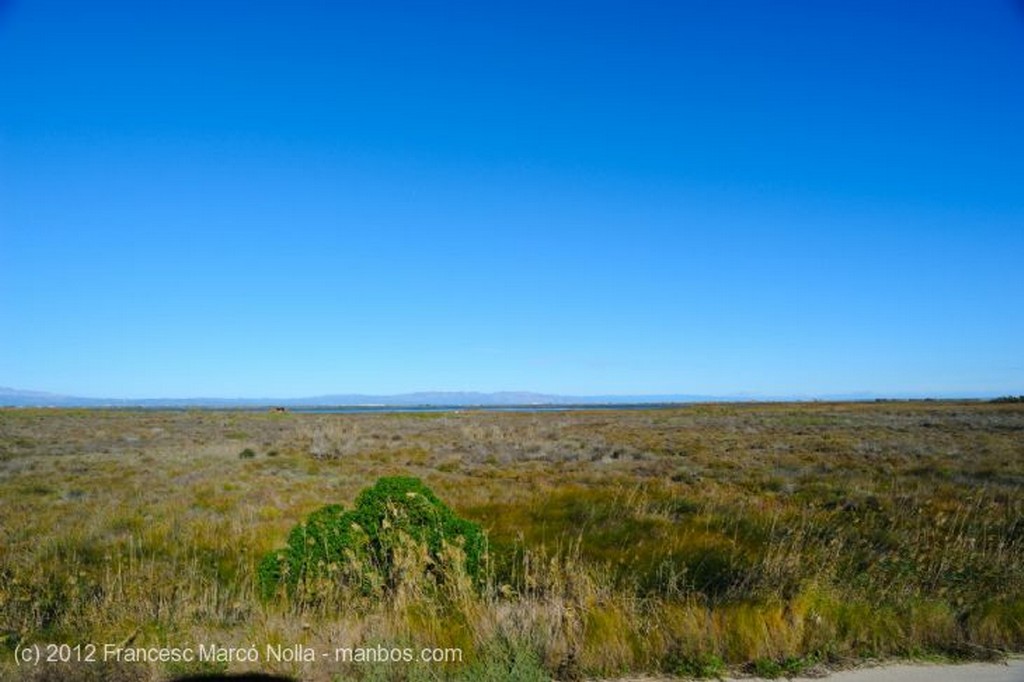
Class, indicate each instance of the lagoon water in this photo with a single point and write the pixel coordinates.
(391, 409)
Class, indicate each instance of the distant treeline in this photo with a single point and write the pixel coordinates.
(1009, 399)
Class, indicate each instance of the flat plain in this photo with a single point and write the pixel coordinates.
(697, 541)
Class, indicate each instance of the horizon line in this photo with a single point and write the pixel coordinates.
(31, 398)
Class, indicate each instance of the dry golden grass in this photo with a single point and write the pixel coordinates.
(671, 540)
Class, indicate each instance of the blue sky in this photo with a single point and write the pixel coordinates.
(287, 199)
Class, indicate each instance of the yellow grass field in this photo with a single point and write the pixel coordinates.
(753, 538)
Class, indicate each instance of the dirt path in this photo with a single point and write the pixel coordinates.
(1011, 671)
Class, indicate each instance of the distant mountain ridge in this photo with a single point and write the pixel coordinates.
(10, 397)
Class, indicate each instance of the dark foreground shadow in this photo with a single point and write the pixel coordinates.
(243, 677)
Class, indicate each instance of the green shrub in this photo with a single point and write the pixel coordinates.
(788, 667)
(768, 669)
(327, 552)
(363, 548)
(700, 666)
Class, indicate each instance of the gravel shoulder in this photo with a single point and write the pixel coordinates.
(1011, 670)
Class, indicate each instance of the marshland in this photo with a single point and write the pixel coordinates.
(691, 541)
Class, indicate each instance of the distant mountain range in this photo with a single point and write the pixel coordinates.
(17, 398)
(10, 397)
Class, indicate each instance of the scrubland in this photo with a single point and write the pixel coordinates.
(759, 538)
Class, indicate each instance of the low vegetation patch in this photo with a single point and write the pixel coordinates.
(398, 535)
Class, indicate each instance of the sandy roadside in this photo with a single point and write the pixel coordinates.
(1010, 671)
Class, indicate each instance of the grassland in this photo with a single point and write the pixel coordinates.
(760, 538)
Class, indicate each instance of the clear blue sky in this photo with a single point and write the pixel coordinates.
(295, 198)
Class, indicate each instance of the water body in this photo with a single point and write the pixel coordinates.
(394, 409)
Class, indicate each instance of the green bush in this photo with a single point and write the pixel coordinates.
(363, 548)
(699, 666)
(788, 667)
